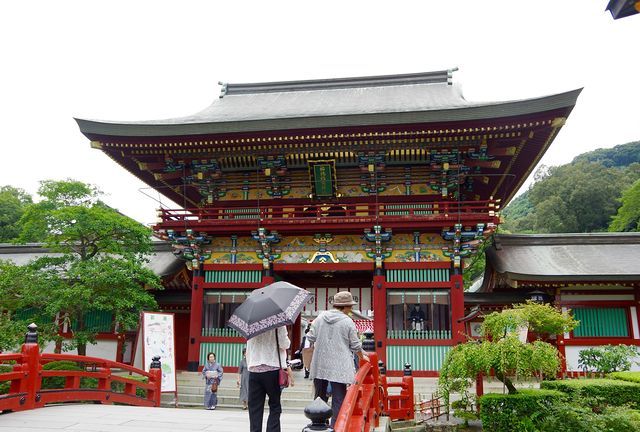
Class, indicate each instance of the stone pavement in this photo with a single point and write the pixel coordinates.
(112, 418)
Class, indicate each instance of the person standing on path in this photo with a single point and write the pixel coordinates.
(335, 340)
(243, 379)
(212, 374)
(264, 361)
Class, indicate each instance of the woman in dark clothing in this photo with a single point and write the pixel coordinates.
(243, 379)
(212, 373)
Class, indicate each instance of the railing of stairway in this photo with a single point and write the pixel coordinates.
(367, 399)
(26, 392)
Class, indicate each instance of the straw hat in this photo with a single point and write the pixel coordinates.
(343, 298)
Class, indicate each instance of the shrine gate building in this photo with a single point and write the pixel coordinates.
(378, 185)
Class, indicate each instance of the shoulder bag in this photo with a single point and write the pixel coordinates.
(283, 375)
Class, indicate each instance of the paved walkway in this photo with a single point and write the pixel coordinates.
(110, 418)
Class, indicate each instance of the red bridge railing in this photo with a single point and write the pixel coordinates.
(26, 392)
(368, 399)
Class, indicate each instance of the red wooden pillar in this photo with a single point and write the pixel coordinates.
(457, 308)
(296, 335)
(479, 385)
(379, 316)
(195, 323)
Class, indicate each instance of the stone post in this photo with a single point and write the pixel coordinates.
(319, 413)
(382, 368)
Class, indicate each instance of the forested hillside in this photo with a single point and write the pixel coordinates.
(597, 191)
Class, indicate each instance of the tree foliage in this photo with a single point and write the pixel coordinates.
(628, 216)
(97, 262)
(500, 350)
(577, 197)
(619, 156)
(13, 202)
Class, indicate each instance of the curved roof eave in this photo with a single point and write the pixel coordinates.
(197, 125)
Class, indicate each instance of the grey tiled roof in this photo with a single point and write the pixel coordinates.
(393, 99)
(162, 261)
(566, 257)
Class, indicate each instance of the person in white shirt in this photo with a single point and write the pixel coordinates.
(264, 361)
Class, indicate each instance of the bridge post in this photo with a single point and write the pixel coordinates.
(31, 368)
(155, 369)
(319, 413)
(368, 344)
(407, 370)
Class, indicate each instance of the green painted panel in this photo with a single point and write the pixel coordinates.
(100, 321)
(413, 334)
(227, 353)
(601, 322)
(418, 275)
(231, 276)
(220, 332)
(421, 358)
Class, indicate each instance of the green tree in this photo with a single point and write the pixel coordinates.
(500, 350)
(578, 197)
(17, 303)
(628, 216)
(13, 202)
(98, 260)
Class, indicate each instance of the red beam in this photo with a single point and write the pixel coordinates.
(214, 267)
(393, 285)
(293, 267)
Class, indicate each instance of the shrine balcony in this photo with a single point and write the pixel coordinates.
(336, 217)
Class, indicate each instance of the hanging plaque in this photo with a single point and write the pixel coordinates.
(322, 174)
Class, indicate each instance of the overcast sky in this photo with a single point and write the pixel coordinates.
(141, 60)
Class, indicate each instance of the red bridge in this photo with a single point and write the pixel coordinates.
(366, 401)
(26, 390)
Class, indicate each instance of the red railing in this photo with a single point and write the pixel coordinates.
(368, 398)
(26, 392)
(305, 214)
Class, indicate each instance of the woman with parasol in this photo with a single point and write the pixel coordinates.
(262, 319)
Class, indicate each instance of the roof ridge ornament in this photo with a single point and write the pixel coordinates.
(433, 77)
(223, 89)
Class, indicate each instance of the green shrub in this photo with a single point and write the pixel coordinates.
(621, 419)
(608, 358)
(4, 385)
(118, 386)
(572, 416)
(85, 382)
(625, 376)
(57, 382)
(516, 412)
(607, 392)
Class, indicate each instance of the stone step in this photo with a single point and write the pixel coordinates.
(193, 399)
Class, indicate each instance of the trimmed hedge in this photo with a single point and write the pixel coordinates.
(608, 391)
(516, 412)
(4, 385)
(625, 376)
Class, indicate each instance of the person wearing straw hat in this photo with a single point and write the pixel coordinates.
(335, 340)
